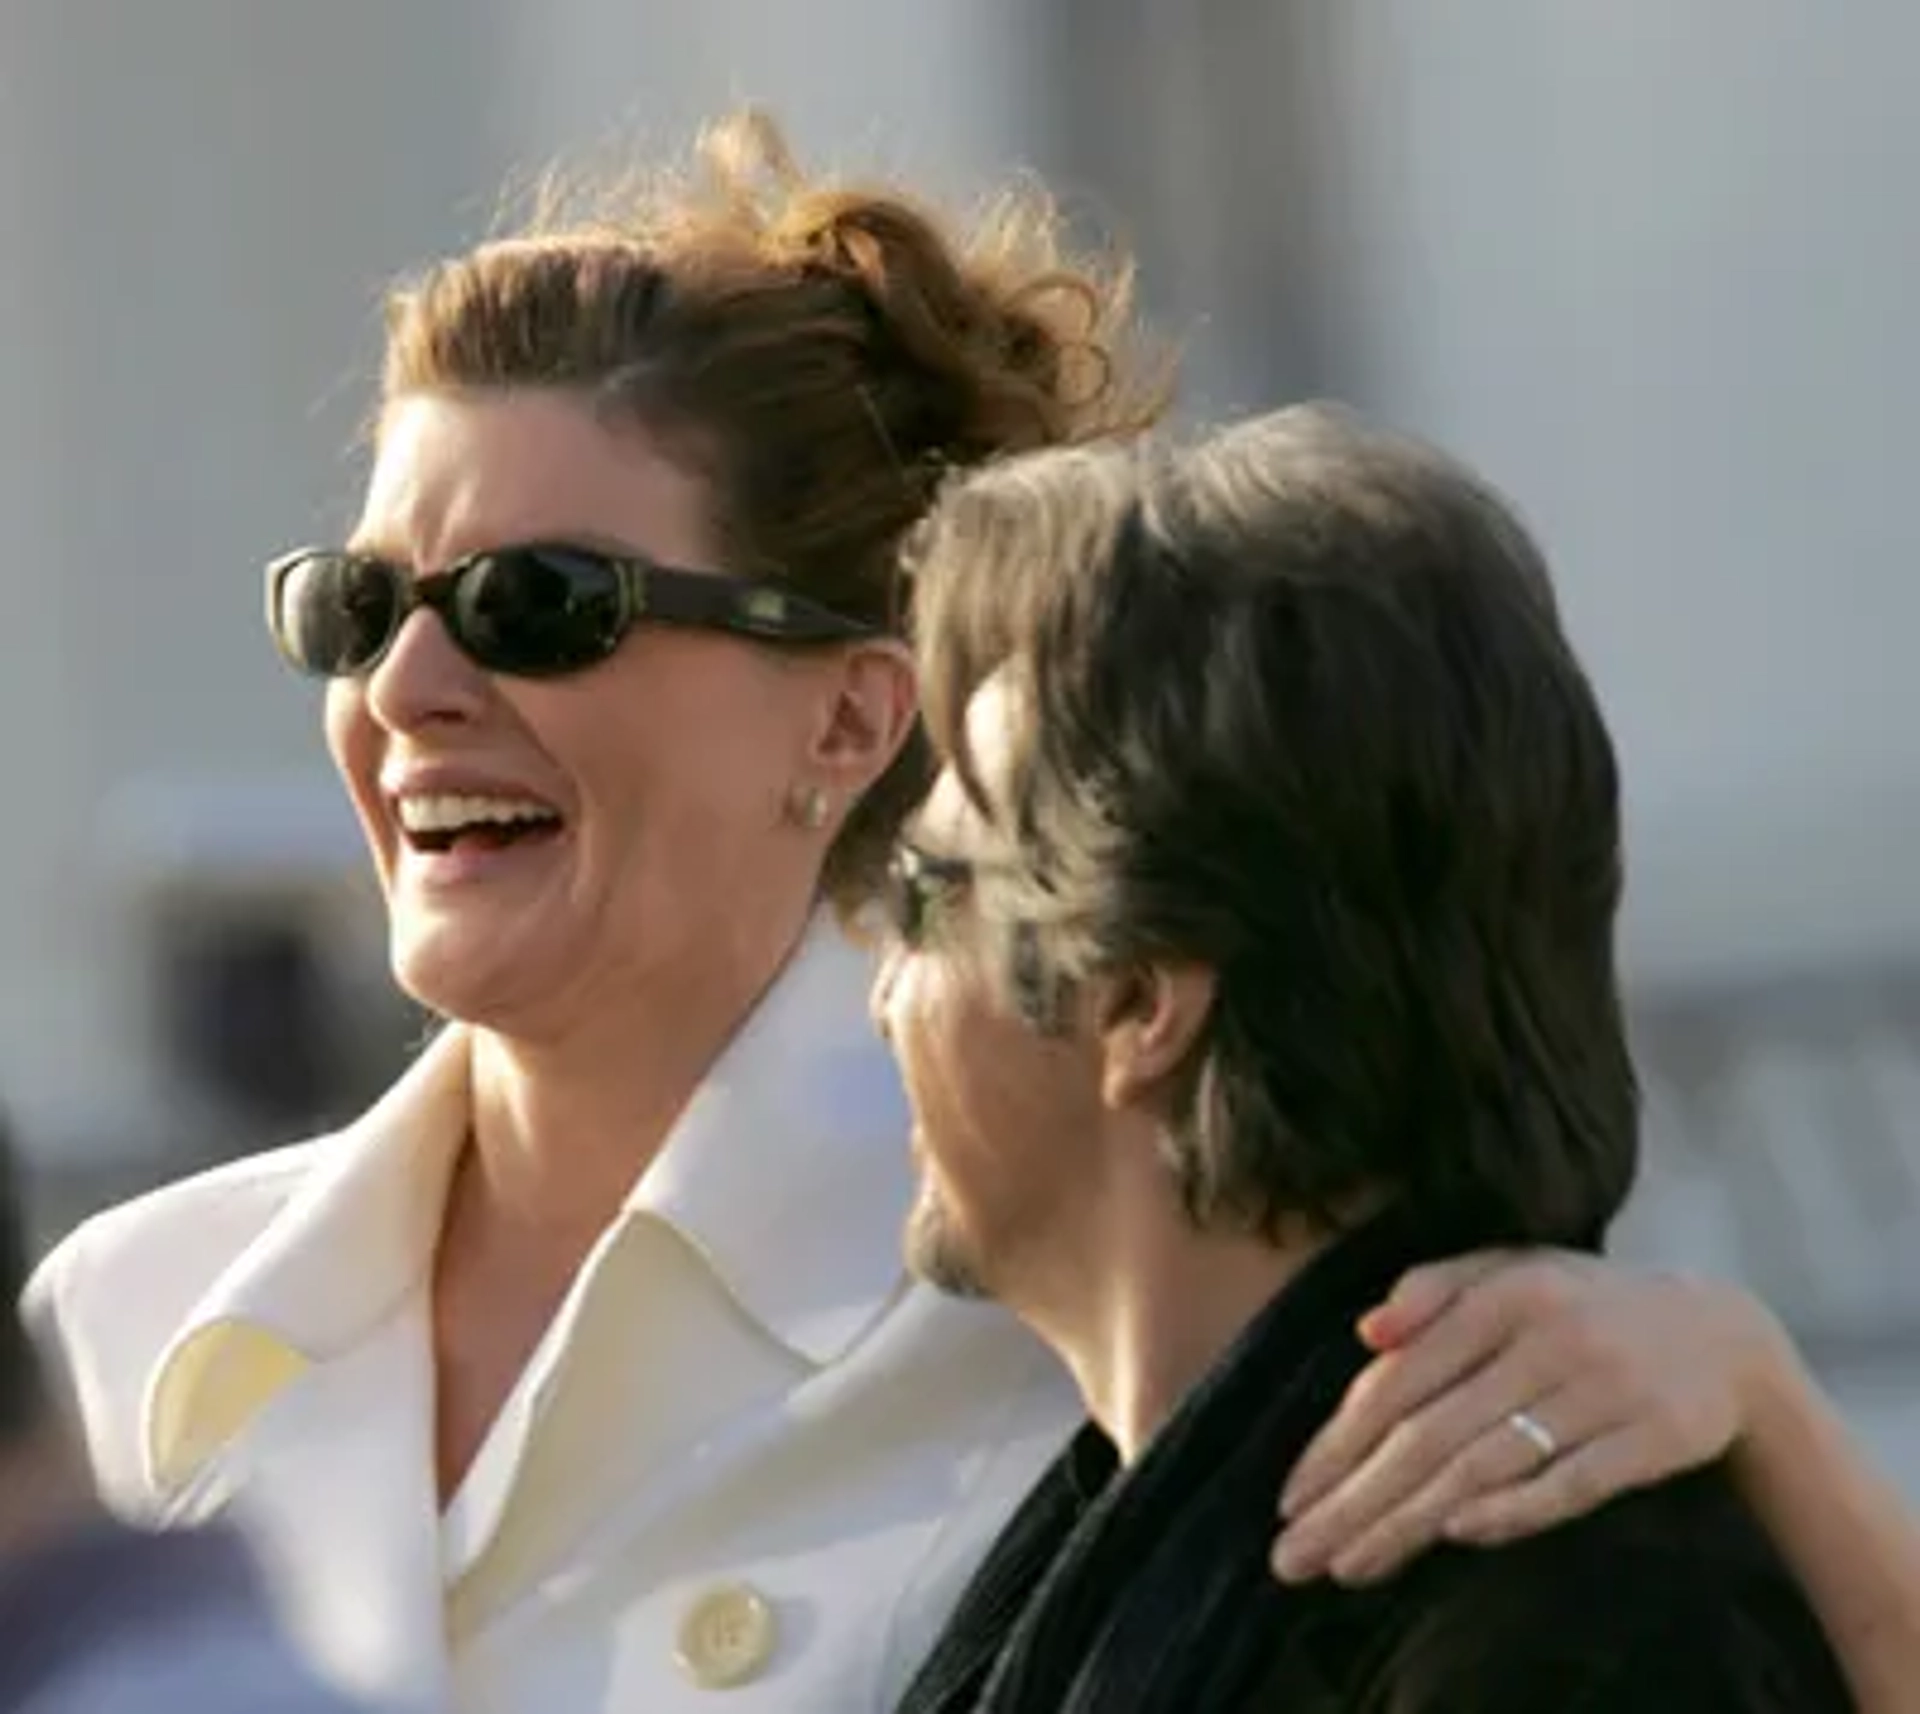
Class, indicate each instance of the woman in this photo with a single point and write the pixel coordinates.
(581, 1371)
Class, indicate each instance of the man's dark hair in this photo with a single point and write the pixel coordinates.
(1295, 703)
(20, 1393)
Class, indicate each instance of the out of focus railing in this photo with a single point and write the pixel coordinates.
(1783, 1148)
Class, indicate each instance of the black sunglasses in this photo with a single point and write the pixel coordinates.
(919, 886)
(537, 611)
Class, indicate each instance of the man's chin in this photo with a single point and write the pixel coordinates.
(935, 1255)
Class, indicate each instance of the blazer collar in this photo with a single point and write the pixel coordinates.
(788, 1171)
(334, 1262)
(1198, 1484)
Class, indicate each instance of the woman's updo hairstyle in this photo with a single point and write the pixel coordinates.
(822, 353)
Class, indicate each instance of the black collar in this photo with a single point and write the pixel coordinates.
(1038, 1603)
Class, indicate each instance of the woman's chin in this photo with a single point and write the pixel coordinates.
(473, 977)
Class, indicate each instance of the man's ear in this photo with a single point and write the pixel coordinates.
(868, 711)
(1149, 1020)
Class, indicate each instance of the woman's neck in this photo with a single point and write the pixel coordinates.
(563, 1128)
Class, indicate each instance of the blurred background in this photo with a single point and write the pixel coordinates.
(1651, 266)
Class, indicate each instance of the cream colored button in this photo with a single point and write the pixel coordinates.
(726, 1637)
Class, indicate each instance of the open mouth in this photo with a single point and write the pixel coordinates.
(449, 821)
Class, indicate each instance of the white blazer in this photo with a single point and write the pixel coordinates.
(750, 1467)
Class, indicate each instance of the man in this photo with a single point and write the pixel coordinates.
(94, 1618)
(1255, 944)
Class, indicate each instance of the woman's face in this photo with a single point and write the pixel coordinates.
(650, 845)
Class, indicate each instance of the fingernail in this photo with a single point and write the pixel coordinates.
(1379, 1329)
(1349, 1573)
(1289, 1564)
(1300, 1552)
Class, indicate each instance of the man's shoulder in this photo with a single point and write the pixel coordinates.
(1672, 1596)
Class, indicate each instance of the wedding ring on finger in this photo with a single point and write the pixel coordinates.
(1536, 1434)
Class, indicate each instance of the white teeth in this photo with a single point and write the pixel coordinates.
(449, 812)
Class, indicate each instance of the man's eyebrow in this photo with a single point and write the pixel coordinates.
(933, 832)
(942, 846)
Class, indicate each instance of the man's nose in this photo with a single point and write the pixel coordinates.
(880, 995)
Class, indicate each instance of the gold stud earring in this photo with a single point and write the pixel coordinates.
(807, 806)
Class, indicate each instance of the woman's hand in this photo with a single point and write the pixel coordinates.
(1514, 1391)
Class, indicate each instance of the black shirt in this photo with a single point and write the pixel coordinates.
(1148, 1591)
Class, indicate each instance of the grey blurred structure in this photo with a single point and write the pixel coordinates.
(1650, 265)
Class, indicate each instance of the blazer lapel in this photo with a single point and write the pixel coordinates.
(787, 1180)
(299, 1394)
(333, 1481)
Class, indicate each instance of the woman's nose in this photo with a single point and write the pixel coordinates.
(423, 678)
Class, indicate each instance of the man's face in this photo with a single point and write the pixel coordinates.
(1008, 1120)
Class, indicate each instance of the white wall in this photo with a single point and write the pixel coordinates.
(1653, 265)
(942, 90)
(200, 201)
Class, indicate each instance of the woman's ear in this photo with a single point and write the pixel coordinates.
(869, 709)
(1149, 1019)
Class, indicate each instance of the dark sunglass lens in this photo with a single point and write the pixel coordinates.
(911, 890)
(336, 612)
(534, 610)
(902, 903)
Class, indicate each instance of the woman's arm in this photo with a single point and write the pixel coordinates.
(1634, 1377)
(1848, 1531)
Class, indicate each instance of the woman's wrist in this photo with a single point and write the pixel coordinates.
(1777, 1394)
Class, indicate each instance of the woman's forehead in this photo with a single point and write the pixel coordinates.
(454, 473)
